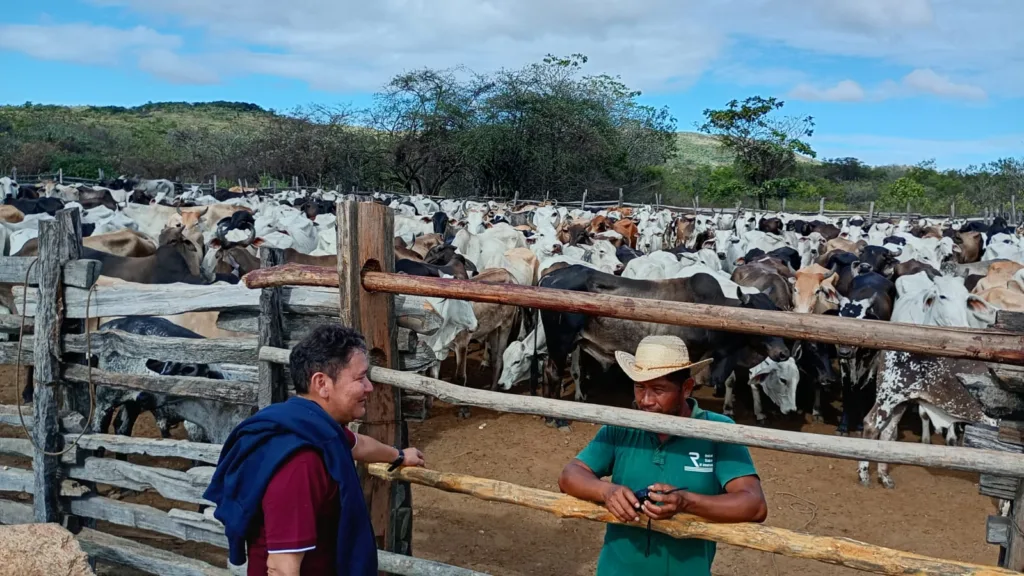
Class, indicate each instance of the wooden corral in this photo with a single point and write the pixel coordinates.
(277, 313)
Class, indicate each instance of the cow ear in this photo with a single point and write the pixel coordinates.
(215, 243)
(792, 280)
(257, 242)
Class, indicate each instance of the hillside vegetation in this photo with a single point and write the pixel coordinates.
(546, 127)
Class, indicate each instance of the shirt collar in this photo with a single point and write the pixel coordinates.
(696, 411)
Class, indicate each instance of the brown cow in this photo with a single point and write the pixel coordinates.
(127, 243)
(999, 273)
(10, 214)
(424, 243)
(628, 230)
(845, 245)
(970, 247)
(814, 290)
(494, 326)
(685, 226)
(599, 224)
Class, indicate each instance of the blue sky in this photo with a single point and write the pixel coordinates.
(888, 81)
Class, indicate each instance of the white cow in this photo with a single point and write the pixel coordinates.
(779, 381)
(1002, 246)
(519, 355)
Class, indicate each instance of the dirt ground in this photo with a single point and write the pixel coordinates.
(930, 512)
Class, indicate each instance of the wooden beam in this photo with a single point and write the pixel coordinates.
(272, 386)
(159, 447)
(830, 550)
(992, 345)
(129, 299)
(374, 316)
(12, 512)
(166, 349)
(185, 486)
(190, 526)
(60, 241)
(23, 447)
(229, 391)
(1014, 558)
(1002, 487)
(9, 415)
(77, 273)
(125, 552)
(20, 480)
(928, 455)
(11, 324)
(997, 530)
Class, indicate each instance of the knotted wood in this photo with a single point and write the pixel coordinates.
(827, 549)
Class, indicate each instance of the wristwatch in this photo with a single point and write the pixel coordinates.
(397, 461)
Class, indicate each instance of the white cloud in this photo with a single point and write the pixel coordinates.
(655, 45)
(82, 43)
(927, 81)
(916, 83)
(176, 69)
(844, 91)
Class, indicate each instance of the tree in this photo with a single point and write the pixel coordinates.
(903, 190)
(765, 146)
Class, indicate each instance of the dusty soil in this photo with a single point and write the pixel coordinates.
(931, 512)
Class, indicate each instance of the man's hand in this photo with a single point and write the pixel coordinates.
(413, 457)
(621, 502)
(663, 504)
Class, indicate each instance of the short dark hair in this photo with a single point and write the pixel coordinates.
(327, 349)
(679, 377)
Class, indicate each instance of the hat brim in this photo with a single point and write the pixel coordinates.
(627, 362)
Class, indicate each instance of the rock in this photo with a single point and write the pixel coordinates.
(41, 550)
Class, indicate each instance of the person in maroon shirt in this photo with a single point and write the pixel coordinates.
(295, 533)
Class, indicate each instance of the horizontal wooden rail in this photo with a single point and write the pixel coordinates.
(827, 549)
(974, 344)
(990, 345)
(186, 486)
(915, 454)
(124, 552)
(228, 391)
(77, 273)
(130, 299)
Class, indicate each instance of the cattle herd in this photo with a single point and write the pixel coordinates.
(940, 272)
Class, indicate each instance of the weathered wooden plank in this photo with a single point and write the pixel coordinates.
(125, 552)
(230, 391)
(11, 324)
(1012, 433)
(421, 358)
(190, 526)
(272, 387)
(1008, 376)
(349, 265)
(830, 550)
(1002, 487)
(23, 447)
(1012, 321)
(997, 530)
(79, 273)
(9, 353)
(414, 313)
(19, 480)
(60, 241)
(9, 415)
(403, 565)
(974, 344)
(12, 512)
(1014, 558)
(128, 299)
(934, 456)
(185, 486)
(193, 350)
(987, 438)
(160, 447)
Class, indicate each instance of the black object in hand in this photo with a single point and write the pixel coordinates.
(644, 495)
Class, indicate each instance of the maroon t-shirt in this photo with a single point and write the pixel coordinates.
(300, 513)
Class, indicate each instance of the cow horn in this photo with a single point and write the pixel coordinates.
(204, 211)
(178, 210)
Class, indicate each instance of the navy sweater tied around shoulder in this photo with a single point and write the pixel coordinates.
(253, 452)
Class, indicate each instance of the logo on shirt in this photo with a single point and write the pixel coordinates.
(705, 465)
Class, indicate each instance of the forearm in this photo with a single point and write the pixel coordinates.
(733, 507)
(284, 564)
(370, 450)
(583, 484)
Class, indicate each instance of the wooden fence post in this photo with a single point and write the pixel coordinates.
(821, 205)
(871, 213)
(14, 173)
(620, 197)
(366, 240)
(952, 210)
(1013, 210)
(272, 385)
(583, 204)
(214, 185)
(60, 240)
(515, 200)
(100, 171)
(783, 203)
(60, 176)
(696, 203)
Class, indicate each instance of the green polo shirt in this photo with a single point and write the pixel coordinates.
(636, 459)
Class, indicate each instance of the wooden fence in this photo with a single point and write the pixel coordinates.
(362, 276)
(279, 312)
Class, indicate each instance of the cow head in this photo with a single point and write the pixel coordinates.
(814, 290)
(772, 346)
(779, 381)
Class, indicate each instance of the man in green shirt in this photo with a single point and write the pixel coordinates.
(712, 480)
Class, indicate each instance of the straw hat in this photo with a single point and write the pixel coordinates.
(655, 357)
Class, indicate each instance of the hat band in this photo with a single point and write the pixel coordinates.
(639, 368)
